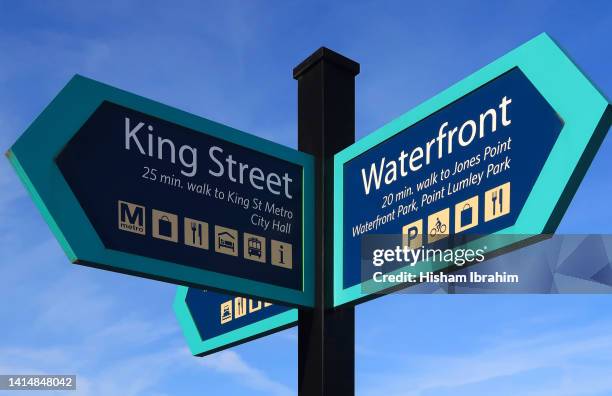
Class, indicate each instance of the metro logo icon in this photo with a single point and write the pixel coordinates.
(131, 217)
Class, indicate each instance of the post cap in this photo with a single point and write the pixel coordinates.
(328, 55)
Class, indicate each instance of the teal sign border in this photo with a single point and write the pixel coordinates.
(200, 347)
(584, 110)
(33, 156)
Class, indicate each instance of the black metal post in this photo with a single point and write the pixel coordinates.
(326, 125)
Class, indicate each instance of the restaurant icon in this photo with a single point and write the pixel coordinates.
(131, 217)
(240, 307)
(254, 247)
(196, 233)
(226, 241)
(165, 225)
(497, 202)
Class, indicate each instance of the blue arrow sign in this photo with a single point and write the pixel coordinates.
(213, 321)
(137, 187)
(501, 152)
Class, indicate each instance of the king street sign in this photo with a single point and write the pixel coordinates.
(134, 186)
(501, 152)
(213, 321)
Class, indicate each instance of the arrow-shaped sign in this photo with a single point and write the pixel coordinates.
(134, 186)
(501, 152)
(213, 321)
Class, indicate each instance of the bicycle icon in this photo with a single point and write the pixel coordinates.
(438, 228)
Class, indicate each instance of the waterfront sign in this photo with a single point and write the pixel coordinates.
(213, 321)
(501, 152)
(137, 187)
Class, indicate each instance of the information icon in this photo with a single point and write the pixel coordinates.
(281, 254)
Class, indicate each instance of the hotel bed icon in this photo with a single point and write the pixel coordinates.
(226, 241)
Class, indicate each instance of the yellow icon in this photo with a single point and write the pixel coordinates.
(267, 304)
(254, 305)
(240, 307)
(438, 225)
(226, 312)
(196, 233)
(497, 202)
(412, 234)
(254, 247)
(466, 214)
(281, 254)
(226, 241)
(131, 217)
(165, 225)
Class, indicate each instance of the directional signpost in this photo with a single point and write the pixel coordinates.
(501, 152)
(213, 321)
(134, 186)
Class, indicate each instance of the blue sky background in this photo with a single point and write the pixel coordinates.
(231, 62)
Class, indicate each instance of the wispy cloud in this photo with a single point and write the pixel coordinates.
(87, 322)
(137, 374)
(584, 349)
(289, 335)
(230, 363)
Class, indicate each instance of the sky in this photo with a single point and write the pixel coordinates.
(232, 62)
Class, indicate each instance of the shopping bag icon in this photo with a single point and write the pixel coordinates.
(466, 215)
(165, 226)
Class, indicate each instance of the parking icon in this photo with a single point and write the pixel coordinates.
(412, 234)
